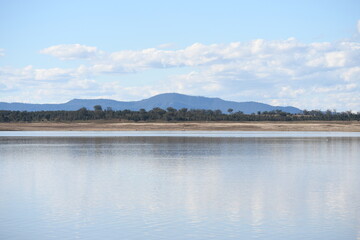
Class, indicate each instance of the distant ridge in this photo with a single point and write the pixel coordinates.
(165, 100)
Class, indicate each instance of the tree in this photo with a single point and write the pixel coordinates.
(230, 110)
(97, 108)
(171, 110)
(82, 114)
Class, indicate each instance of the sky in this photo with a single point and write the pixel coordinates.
(290, 53)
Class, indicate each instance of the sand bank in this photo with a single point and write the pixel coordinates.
(337, 126)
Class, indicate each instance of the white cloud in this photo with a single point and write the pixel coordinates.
(2, 52)
(52, 74)
(287, 91)
(72, 51)
(286, 72)
(166, 46)
(29, 74)
(336, 88)
(352, 74)
(286, 56)
(358, 26)
(335, 59)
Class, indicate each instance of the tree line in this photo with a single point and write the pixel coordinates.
(173, 115)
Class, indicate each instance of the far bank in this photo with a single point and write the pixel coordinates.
(326, 126)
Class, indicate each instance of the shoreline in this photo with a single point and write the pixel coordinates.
(323, 126)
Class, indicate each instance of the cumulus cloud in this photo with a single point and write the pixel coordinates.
(285, 72)
(52, 74)
(72, 51)
(352, 74)
(28, 74)
(166, 46)
(287, 56)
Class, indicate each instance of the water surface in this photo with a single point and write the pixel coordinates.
(179, 185)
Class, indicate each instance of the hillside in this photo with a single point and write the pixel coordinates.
(163, 101)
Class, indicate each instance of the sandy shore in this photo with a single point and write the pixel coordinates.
(183, 126)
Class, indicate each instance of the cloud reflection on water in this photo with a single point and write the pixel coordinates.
(263, 186)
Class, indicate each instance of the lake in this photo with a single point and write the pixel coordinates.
(179, 185)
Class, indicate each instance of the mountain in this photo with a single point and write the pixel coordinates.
(163, 101)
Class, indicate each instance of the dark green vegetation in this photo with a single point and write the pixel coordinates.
(172, 114)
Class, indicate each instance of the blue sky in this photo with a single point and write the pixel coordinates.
(301, 53)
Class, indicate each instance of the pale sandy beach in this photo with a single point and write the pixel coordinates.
(345, 126)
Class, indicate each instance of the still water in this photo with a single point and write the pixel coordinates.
(179, 185)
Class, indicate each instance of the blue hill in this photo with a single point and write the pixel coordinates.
(163, 101)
